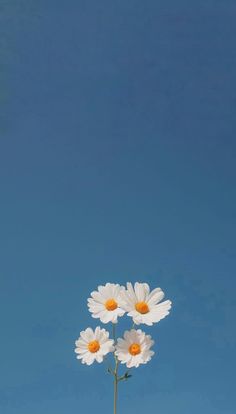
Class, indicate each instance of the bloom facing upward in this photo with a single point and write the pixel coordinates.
(134, 349)
(93, 345)
(142, 305)
(105, 303)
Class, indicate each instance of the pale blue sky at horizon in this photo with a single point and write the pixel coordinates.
(117, 163)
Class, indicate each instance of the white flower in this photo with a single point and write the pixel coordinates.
(105, 303)
(142, 305)
(134, 349)
(93, 345)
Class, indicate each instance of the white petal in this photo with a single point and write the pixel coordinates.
(105, 291)
(96, 307)
(80, 356)
(89, 358)
(155, 296)
(81, 351)
(141, 291)
(97, 297)
(160, 311)
(99, 358)
(81, 343)
(106, 317)
(87, 335)
(130, 291)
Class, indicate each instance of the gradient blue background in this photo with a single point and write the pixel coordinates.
(117, 162)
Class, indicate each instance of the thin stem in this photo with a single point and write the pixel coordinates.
(115, 371)
(114, 331)
(115, 392)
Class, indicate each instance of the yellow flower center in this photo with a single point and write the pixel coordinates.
(142, 307)
(134, 349)
(93, 346)
(111, 304)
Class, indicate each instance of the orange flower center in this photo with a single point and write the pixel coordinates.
(111, 304)
(93, 346)
(142, 307)
(134, 349)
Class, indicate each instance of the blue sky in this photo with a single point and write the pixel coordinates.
(117, 163)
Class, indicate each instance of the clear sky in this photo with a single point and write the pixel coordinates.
(117, 163)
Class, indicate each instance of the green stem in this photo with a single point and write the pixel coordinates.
(115, 371)
(114, 332)
(115, 392)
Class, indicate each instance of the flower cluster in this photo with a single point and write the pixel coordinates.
(110, 302)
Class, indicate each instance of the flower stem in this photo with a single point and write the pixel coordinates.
(115, 393)
(114, 331)
(115, 371)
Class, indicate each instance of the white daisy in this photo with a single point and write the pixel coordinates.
(93, 345)
(134, 349)
(142, 305)
(105, 303)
